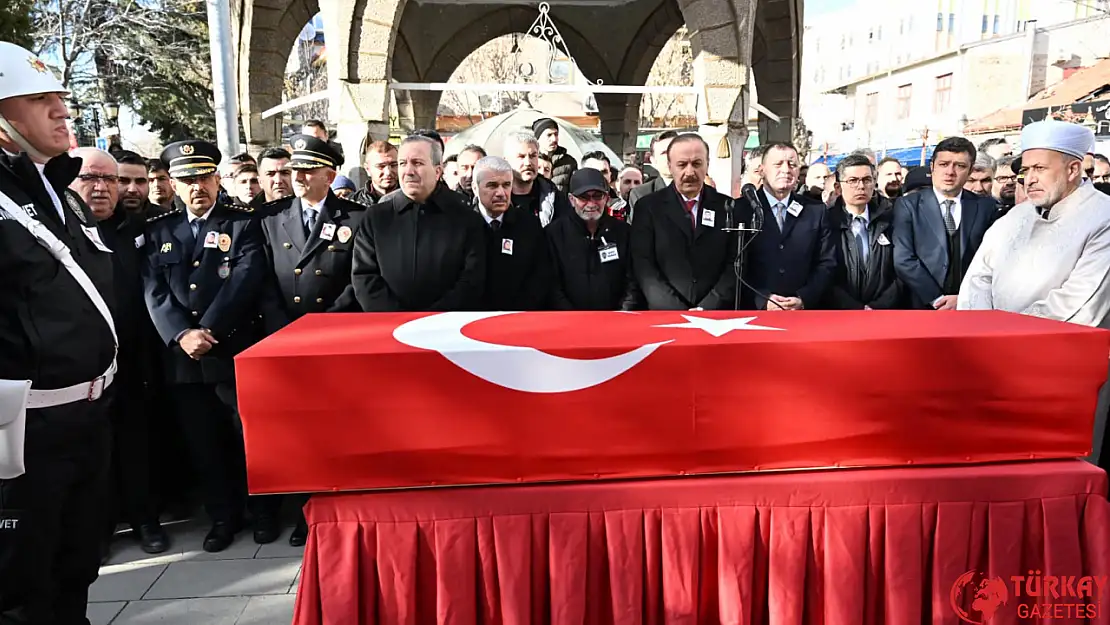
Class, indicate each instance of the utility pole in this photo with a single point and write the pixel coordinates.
(223, 76)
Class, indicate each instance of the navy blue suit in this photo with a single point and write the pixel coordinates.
(921, 241)
(797, 261)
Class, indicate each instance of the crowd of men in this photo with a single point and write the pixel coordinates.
(128, 285)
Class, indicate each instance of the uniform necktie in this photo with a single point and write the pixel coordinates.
(690, 205)
(859, 229)
(197, 226)
(949, 219)
(495, 225)
(309, 221)
(779, 216)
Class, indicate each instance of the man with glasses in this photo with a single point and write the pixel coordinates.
(861, 223)
(1004, 188)
(204, 275)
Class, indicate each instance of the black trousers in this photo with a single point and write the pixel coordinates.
(209, 422)
(131, 497)
(51, 518)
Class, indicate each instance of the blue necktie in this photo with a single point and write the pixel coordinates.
(859, 229)
(309, 221)
(197, 226)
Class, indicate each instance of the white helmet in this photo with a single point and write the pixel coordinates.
(23, 73)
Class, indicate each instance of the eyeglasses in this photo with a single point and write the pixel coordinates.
(1005, 179)
(859, 182)
(94, 178)
(593, 196)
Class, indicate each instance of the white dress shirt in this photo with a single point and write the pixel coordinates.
(956, 207)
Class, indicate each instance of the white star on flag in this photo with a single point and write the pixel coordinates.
(718, 327)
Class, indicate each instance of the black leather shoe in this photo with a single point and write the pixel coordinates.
(220, 536)
(152, 538)
(300, 534)
(266, 529)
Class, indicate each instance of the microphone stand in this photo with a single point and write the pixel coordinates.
(743, 231)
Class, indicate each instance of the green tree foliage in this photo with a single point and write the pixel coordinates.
(149, 55)
(15, 22)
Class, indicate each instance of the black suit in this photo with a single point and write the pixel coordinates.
(428, 257)
(518, 265)
(797, 261)
(680, 267)
(921, 250)
(642, 191)
(190, 286)
(314, 273)
(857, 283)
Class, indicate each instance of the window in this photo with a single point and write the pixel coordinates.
(905, 94)
(985, 22)
(940, 22)
(943, 94)
(951, 22)
(871, 112)
(997, 24)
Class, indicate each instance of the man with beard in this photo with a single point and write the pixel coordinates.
(938, 230)
(134, 187)
(204, 276)
(793, 258)
(518, 268)
(546, 132)
(421, 249)
(816, 178)
(1004, 188)
(682, 257)
(860, 223)
(122, 231)
(532, 193)
(380, 161)
(591, 252)
(631, 177)
(161, 187)
(274, 177)
(468, 157)
(889, 182)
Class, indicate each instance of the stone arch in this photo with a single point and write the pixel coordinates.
(776, 64)
(268, 30)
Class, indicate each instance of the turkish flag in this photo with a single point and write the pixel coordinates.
(360, 401)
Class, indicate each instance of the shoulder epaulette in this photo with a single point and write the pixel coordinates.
(241, 208)
(176, 211)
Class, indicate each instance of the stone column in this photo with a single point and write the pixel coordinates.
(260, 70)
(770, 130)
(619, 116)
(359, 109)
(417, 109)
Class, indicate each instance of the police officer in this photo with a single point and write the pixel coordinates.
(57, 357)
(308, 243)
(204, 274)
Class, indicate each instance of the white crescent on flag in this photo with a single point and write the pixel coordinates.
(519, 368)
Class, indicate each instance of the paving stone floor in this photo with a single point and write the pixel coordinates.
(247, 584)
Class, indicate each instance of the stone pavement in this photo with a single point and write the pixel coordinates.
(246, 584)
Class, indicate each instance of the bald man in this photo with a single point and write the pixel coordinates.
(122, 232)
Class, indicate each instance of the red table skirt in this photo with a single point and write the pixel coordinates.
(841, 547)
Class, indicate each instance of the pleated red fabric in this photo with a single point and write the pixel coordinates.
(848, 547)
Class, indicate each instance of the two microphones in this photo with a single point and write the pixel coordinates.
(749, 193)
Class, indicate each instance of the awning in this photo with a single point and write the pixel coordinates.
(643, 140)
(908, 156)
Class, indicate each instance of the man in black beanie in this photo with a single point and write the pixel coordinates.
(563, 164)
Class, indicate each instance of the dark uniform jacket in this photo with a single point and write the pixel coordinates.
(518, 266)
(419, 257)
(583, 280)
(797, 261)
(314, 274)
(190, 286)
(680, 267)
(857, 283)
(140, 349)
(563, 167)
(50, 331)
(546, 202)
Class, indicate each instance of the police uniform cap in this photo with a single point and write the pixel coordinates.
(186, 159)
(312, 153)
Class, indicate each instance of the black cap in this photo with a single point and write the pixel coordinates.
(312, 153)
(1015, 166)
(588, 179)
(194, 157)
(542, 124)
(917, 178)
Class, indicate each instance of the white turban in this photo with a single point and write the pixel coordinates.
(1051, 134)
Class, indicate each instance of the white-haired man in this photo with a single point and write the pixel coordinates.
(533, 193)
(518, 266)
(421, 249)
(57, 357)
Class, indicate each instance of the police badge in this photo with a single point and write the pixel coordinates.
(75, 206)
(224, 271)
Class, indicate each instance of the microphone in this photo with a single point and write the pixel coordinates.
(749, 193)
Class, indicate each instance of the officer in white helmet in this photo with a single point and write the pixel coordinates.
(57, 357)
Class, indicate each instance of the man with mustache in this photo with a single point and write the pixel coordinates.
(889, 184)
(122, 231)
(380, 161)
(204, 276)
(1004, 188)
(134, 187)
(533, 193)
(161, 194)
(57, 356)
(421, 249)
(274, 177)
(682, 257)
(468, 157)
(793, 258)
(591, 251)
(938, 231)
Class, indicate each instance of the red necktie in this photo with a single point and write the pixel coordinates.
(690, 204)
